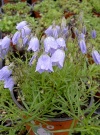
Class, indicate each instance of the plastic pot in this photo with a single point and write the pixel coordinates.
(52, 124)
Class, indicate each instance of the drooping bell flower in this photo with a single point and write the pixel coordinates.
(44, 64)
(61, 43)
(96, 57)
(82, 46)
(6, 43)
(55, 31)
(34, 44)
(9, 83)
(21, 25)
(16, 37)
(48, 31)
(64, 32)
(25, 31)
(32, 60)
(58, 57)
(25, 41)
(50, 44)
(93, 34)
(5, 72)
(81, 36)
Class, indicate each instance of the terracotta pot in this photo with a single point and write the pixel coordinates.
(10, 1)
(51, 125)
(96, 14)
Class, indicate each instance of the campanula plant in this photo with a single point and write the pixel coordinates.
(55, 77)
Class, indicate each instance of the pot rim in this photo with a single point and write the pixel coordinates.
(51, 119)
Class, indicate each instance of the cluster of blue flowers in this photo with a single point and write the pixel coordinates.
(54, 47)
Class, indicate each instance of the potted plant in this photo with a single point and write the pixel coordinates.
(53, 78)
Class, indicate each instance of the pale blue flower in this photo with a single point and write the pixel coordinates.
(16, 37)
(96, 57)
(48, 31)
(61, 42)
(81, 36)
(33, 58)
(25, 40)
(56, 31)
(50, 44)
(83, 46)
(44, 64)
(5, 72)
(93, 34)
(25, 31)
(34, 44)
(9, 83)
(53, 30)
(64, 32)
(21, 25)
(6, 43)
(58, 57)
(4, 46)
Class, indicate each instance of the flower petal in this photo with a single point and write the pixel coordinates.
(58, 57)
(96, 57)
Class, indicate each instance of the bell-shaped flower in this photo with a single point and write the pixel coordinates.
(55, 31)
(5, 72)
(16, 37)
(81, 36)
(21, 25)
(96, 57)
(9, 83)
(32, 60)
(25, 41)
(61, 42)
(34, 44)
(44, 64)
(25, 31)
(64, 32)
(48, 31)
(50, 44)
(93, 34)
(6, 43)
(83, 46)
(58, 57)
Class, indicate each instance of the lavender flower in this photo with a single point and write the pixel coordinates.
(64, 32)
(61, 42)
(25, 31)
(44, 64)
(5, 72)
(6, 43)
(48, 31)
(9, 83)
(16, 37)
(50, 44)
(83, 46)
(56, 31)
(33, 59)
(58, 58)
(93, 34)
(21, 25)
(34, 44)
(53, 30)
(96, 57)
(81, 36)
